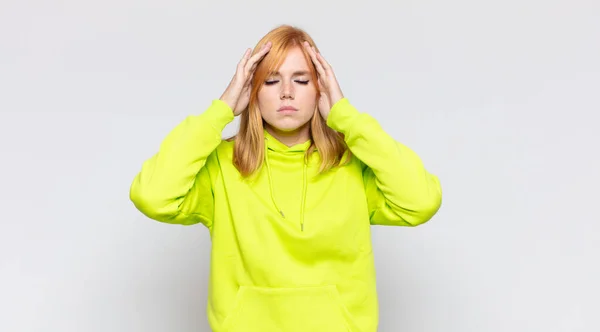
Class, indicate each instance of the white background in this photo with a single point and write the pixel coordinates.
(501, 99)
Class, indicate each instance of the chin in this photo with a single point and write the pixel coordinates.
(287, 125)
(287, 128)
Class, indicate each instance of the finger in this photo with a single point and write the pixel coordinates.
(262, 52)
(323, 62)
(249, 80)
(313, 56)
(258, 56)
(244, 59)
(326, 66)
(311, 53)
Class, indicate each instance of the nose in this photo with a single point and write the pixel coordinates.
(287, 91)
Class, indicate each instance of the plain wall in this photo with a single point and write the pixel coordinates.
(501, 99)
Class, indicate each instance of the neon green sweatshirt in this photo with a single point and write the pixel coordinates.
(291, 249)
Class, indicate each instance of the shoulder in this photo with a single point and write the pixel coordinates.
(224, 150)
(226, 144)
(220, 157)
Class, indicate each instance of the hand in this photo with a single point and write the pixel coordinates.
(331, 92)
(237, 94)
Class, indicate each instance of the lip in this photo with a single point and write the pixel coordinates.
(287, 108)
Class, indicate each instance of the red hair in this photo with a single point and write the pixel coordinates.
(249, 146)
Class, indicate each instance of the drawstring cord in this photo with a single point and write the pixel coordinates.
(304, 185)
(271, 183)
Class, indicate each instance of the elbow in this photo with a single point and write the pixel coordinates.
(144, 202)
(151, 205)
(426, 209)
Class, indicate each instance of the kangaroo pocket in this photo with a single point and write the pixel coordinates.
(303, 309)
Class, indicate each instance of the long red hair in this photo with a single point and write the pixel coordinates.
(249, 146)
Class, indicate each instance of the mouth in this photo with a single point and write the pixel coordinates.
(287, 109)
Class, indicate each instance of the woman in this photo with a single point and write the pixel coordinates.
(290, 199)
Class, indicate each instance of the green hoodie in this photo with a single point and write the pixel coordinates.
(291, 249)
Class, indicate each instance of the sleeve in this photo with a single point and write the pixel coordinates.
(175, 185)
(400, 191)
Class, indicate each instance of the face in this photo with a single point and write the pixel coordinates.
(291, 86)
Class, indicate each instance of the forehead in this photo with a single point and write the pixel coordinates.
(294, 61)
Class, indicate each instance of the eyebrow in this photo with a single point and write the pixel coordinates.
(296, 73)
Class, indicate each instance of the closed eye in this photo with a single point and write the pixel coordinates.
(297, 81)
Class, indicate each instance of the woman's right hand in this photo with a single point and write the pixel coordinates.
(237, 94)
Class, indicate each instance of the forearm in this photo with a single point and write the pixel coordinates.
(408, 189)
(167, 177)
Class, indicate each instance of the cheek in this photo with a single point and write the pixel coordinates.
(266, 99)
(309, 97)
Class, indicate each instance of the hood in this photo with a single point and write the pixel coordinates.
(275, 145)
(275, 149)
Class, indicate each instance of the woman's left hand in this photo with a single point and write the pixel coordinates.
(331, 92)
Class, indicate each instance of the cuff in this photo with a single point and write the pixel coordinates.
(342, 115)
(219, 114)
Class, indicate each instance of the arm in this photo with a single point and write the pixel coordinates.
(399, 189)
(175, 185)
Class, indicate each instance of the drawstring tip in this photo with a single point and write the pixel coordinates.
(283, 215)
(302, 227)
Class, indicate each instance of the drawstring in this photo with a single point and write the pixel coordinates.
(304, 185)
(271, 183)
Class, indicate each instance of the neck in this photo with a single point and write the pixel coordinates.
(290, 138)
